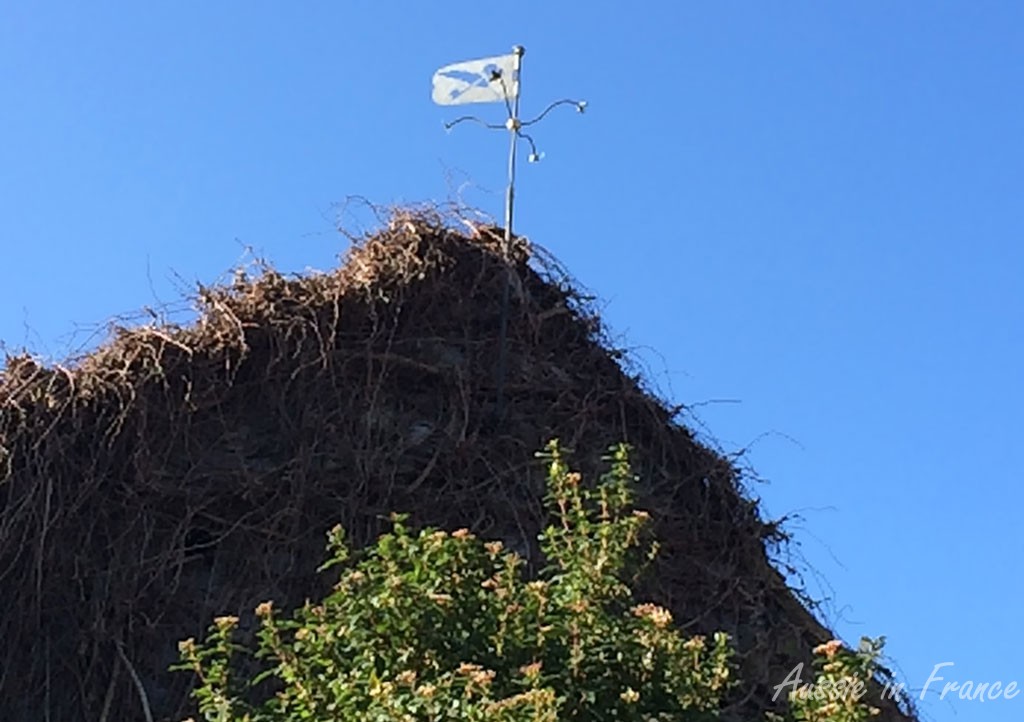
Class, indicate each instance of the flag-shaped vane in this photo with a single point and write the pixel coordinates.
(495, 80)
(486, 80)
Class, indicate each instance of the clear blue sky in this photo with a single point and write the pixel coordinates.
(813, 209)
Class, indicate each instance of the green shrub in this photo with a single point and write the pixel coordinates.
(444, 626)
(840, 684)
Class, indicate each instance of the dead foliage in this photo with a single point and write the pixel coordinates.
(178, 473)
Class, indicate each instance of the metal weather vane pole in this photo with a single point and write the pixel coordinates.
(493, 80)
(513, 126)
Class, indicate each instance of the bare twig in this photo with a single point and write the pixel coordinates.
(138, 682)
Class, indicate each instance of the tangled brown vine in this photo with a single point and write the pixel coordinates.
(181, 472)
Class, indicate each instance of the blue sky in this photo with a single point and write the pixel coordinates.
(805, 217)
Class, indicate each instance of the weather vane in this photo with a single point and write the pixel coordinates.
(496, 80)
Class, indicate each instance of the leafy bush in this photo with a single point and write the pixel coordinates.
(444, 626)
(841, 679)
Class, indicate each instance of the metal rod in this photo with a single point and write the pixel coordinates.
(513, 133)
(513, 125)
